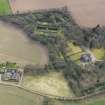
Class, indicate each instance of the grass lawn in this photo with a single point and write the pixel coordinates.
(14, 96)
(99, 53)
(52, 83)
(4, 7)
(74, 51)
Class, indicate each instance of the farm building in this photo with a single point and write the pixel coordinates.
(11, 74)
(86, 58)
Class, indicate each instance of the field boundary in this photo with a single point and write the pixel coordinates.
(10, 6)
(75, 99)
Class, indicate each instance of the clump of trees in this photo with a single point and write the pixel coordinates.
(95, 37)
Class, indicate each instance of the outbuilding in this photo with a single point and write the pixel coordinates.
(86, 58)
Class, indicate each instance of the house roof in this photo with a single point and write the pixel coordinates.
(86, 58)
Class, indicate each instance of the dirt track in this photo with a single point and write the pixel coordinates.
(86, 12)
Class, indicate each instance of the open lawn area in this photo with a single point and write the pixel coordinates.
(4, 7)
(10, 95)
(52, 83)
(99, 53)
(74, 52)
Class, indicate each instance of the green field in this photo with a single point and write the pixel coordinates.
(10, 95)
(99, 53)
(52, 83)
(4, 7)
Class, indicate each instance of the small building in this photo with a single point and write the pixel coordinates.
(11, 75)
(86, 58)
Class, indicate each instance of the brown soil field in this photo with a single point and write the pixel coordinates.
(16, 47)
(28, 5)
(87, 13)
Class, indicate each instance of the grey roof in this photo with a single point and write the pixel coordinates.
(86, 58)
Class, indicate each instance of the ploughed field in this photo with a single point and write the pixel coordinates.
(15, 46)
(10, 95)
(87, 13)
